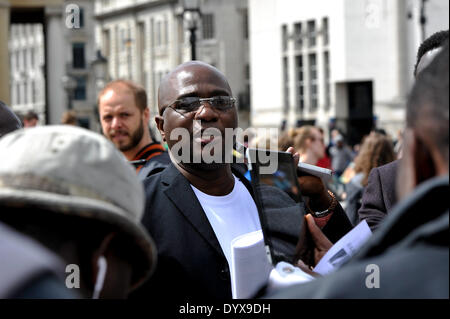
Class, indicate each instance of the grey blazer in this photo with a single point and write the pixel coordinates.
(379, 196)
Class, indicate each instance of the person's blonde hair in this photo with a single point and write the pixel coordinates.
(376, 150)
(286, 139)
(304, 133)
(69, 117)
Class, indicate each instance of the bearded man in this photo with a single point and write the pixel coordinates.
(124, 117)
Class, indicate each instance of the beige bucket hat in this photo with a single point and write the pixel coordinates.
(72, 171)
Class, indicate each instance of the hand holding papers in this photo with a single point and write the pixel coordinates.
(344, 249)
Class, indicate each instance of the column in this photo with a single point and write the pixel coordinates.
(55, 63)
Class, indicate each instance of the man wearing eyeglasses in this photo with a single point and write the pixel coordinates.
(200, 202)
(196, 206)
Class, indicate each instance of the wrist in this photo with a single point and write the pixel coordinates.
(320, 202)
(324, 206)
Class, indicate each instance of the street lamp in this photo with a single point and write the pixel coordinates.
(192, 14)
(69, 85)
(100, 69)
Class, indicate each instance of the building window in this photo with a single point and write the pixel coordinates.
(325, 30)
(25, 59)
(25, 92)
(158, 33)
(81, 18)
(299, 79)
(80, 90)
(123, 40)
(117, 48)
(79, 61)
(17, 55)
(141, 51)
(18, 95)
(32, 57)
(311, 30)
(286, 84)
(298, 36)
(245, 23)
(166, 32)
(312, 60)
(327, 86)
(106, 43)
(33, 92)
(284, 37)
(208, 26)
(244, 97)
(129, 46)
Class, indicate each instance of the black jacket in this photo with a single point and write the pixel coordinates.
(410, 249)
(190, 260)
(154, 165)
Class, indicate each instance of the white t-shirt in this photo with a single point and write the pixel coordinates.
(231, 215)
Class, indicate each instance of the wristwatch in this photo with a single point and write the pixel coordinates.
(328, 210)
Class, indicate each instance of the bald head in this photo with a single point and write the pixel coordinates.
(427, 112)
(185, 80)
(126, 87)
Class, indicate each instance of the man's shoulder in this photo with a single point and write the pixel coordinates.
(154, 165)
(154, 179)
(385, 176)
(163, 158)
(388, 169)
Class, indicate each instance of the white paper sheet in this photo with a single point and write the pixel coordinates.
(344, 249)
(250, 268)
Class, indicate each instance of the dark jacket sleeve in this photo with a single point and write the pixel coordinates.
(373, 209)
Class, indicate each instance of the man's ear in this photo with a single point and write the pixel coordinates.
(146, 115)
(424, 164)
(160, 125)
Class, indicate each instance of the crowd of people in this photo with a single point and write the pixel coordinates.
(132, 219)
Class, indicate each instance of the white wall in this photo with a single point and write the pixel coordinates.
(370, 40)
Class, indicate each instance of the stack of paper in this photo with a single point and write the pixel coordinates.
(250, 267)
